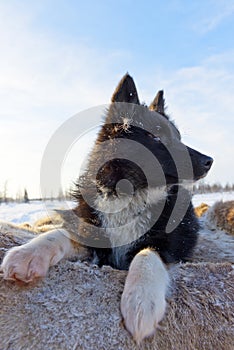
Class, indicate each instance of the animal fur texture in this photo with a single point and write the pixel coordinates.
(134, 208)
(201, 209)
(221, 216)
(77, 305)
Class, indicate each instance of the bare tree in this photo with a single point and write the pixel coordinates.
(26, 199)
(5, 199)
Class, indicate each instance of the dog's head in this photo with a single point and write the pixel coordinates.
(143, 145)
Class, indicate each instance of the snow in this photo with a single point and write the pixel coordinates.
(18, 213)
(211, 198)
(30, 212)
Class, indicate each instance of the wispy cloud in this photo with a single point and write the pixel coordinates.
(211, 23)
(212, 14)
(38, 70)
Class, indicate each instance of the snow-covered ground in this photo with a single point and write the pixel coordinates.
(23, 212)
(30, 212)
(211, 198)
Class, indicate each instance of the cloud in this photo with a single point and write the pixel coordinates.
(212, 14)
(39, 70)
(221, 15)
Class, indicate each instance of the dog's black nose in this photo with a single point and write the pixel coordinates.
(207, 162)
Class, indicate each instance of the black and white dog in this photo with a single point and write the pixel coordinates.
(134, 208)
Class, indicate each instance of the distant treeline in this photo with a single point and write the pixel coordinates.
(23, 197)
(207, 188)
(20, 198)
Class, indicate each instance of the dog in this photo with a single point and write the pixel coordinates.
(134, 208)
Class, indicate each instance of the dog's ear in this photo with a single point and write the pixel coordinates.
(126, 91)
(158, 104)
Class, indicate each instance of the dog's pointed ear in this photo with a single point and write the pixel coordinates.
(126, 91)
(158, 104)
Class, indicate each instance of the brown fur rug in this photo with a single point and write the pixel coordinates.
(77, 305)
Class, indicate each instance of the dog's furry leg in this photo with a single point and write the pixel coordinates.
(33, 259)
(143, 301)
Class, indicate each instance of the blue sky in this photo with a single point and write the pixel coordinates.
(59, 58)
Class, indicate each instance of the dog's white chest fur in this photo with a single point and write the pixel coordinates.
(127, 218)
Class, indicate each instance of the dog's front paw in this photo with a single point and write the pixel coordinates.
(25, 263)
(141, 311)
(143, 302)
